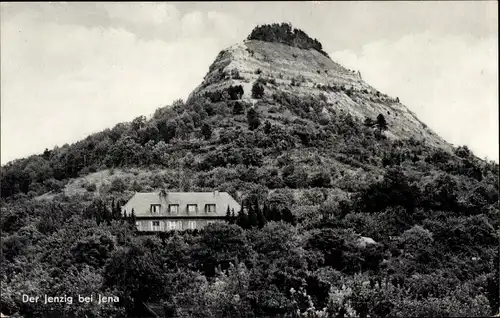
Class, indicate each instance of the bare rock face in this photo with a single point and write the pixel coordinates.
(309, 73)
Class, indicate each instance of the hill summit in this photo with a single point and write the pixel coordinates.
(287, 62)
(285, 34)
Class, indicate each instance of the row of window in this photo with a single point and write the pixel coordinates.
(174, 208)
(175, 225)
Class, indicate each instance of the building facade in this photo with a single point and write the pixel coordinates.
(160, 212)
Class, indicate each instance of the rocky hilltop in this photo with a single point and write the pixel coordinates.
(307, 72)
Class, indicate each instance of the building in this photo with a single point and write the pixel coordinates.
(157, 212)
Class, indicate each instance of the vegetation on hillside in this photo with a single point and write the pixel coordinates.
(285, 34)
(341, 221)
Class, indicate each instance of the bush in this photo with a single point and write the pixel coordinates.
(118, 185)
(235, 74)
(91, 187)
(320, 179)
(238, 108)
(257, 90)
(235, 92)
(253, 119)
(206, 131)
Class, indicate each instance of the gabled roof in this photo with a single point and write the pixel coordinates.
(141, 203)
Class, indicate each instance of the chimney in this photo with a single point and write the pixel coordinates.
(216, 192)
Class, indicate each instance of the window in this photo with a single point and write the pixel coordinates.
(192, 225)
(155, 208)
(210, 208)
(192, 208)
(173, 208)
(174, 225)
(156, 225)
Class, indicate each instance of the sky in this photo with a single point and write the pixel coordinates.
(72, 69)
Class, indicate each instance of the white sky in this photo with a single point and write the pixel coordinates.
(71, 69)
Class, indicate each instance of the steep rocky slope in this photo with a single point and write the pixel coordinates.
(307, 72)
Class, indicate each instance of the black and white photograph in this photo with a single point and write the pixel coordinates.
(307, 159)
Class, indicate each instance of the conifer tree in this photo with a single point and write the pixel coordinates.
(242, 219)
(118, 211)
(132, 218)
(261, 219)
(252, 216)
(228, 215)
(266, 211)
(381, 123)
(107, 216)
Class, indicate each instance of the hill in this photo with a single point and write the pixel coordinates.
(277, 123)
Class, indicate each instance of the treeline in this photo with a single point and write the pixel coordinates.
(258, 215)
(285, 34)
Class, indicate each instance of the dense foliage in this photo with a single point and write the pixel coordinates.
(284, 33)
(340, 220)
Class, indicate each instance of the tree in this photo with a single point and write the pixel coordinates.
(381, 123)
(242, 219)
(252, 216)
(206, 131)
(257, 90)
(253, 119)
(267, 127)
(235, 92)
(238, 108)
(228, 216)
(261, 219)
(131, 219)
(115, 209)
(320, 179)
(463, 152)
(219, 245)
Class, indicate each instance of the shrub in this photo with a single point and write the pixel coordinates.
(235, 74)
(320, 179)
(253, 119)
(235, 92)
(206, 131)
(91, 187)
(238, 108)
(257, 90)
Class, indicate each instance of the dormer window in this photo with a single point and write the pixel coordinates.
(173, 208)
(209, 208)
(155, 208)
(192, 208)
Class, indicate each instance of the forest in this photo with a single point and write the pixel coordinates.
(342, 221)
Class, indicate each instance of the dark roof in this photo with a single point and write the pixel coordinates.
(141, 203)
